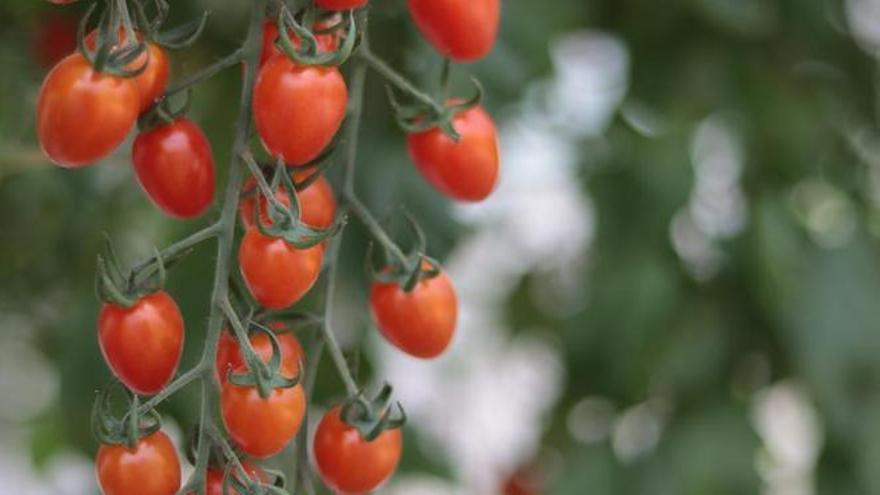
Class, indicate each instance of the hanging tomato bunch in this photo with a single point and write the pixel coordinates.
(304, 72)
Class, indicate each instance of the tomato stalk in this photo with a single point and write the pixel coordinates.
(395, 78)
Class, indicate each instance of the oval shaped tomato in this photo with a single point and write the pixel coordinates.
(142, 344)
(347, 462)
(151, 468)
(83, 115)
(214, 479)
(276, 273)
(463, 30)
(151, 82)
(466, 170)
(326, 42)
(175, 167)
(340, 4)
(229, 355)
(262, 427)
(317, 203)
(297, 109)
(421, 322)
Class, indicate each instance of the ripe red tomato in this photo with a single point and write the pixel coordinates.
(421, 322)
(175, 167)
(463, 30)
(340, 4)
(143, 343)
(347, 462)
(151, 468)
(262, 427)
(276, 273)
(229, 356)
(326, 42)
(82, 115)
(152, 81)
(297, 109)
(214, 479)
(466, 170)
(317, 203)
(55, 38)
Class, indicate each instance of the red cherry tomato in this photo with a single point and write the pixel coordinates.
(175, 167)
(142, 344)
(463, 30)
(276, 273)
(421, 322)
(151, 468)
(262, 427)
(55, 38)
(340, 4)
(297, 110)
(326, 42)
(466, 170)
(229, 356)
(152, 81)
(214, 479)
(316, 202)
(347, 462)
(82, 115)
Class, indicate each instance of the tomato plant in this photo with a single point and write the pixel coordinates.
(349, 463)
(463, 30)
(175, 167)
(420, 322)
(83, 115)
(150, 468)
(143, 343)
(297, 109)
(465, 170)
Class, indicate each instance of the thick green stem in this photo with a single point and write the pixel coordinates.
(171, 252)
(327, 328)
(233, 58)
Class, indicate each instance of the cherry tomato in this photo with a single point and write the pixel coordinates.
(262, 427)
(276, 273)
(466, 170)
(316, 202)
(143, 343)
(151, 468)
(229, 355)
(83, 115)
(340, 4)
(55, 38)
(421, 322)
(152, 81)
(347, 462)
(463, 30)
(175, 167)
(214, 479)
(326, 42)
(297, 110)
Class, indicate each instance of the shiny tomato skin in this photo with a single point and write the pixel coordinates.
(276, 273)
(229, 356)
(151, 468)
(350, 464)
(262, 427)
(82, 115)
(142, 344)
(153, 80)
(326, 42)
(340, 4)
(298, 109)
(463, 30)
(466, 170)
(175, 167)
(421, 322)
(214, 479)
(317, 204)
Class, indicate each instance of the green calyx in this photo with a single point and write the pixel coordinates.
(420, 116)
(128, 430)
(372, 417)
(403, 269)
(265, 376)
(113, 286)
(308, 53)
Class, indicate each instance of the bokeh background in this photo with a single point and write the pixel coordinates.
(674, 290)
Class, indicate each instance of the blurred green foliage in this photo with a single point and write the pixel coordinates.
(800, 94)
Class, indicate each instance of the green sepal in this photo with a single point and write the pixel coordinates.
(372, 417)
(307, 53)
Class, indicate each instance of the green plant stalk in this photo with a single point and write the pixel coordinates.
(396, 79)
(208, 72)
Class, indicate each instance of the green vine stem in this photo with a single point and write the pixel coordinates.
(396, 79)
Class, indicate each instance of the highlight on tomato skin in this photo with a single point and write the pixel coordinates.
(421, 322)
(142, 344)
(462, 30)
(175, 167)
(151, 468)
(82, 115)
(276, 273)
(467, 170)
